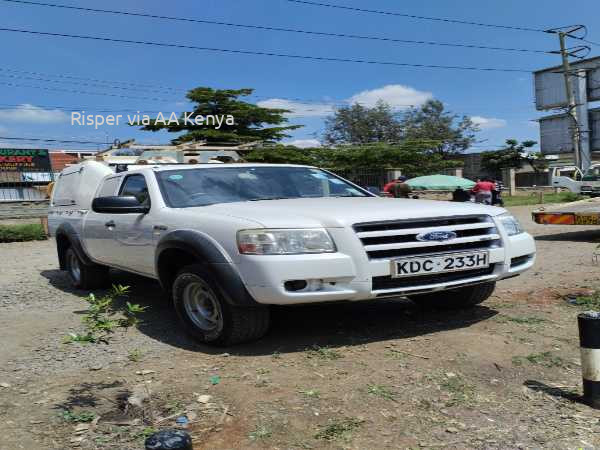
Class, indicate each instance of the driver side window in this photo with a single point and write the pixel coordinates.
(136, 186)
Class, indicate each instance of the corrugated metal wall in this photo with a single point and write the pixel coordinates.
(555, 135)
(550, 84)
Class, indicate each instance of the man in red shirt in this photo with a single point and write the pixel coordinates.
(483, 191)
(389, 187)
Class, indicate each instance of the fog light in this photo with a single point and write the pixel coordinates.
(295, 285)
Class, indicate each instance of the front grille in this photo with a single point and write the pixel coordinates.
(382, 283)
(392, 239)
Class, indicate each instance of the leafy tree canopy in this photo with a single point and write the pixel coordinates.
(412, 156)
(357, 124)
(513, 155)
(281, 154)
(449, 133)
(250, 120)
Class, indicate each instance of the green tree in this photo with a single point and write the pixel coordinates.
(357, 124)
(449, 133)
(412, 156)
(250, 119)
(282, 154)
(514, 155)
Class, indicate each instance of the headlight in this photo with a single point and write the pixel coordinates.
(510, 224)
(284, 241)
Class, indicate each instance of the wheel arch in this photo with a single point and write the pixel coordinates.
(66, 237)
(180, 248)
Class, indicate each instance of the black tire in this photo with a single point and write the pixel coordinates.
(202, 307)
(460, 298)
(85, 276)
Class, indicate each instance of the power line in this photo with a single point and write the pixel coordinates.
(279, 29)
(80, 83)
(96, 81)
(104, 94)
(412, 16)
(257, 53)
(25, 107)
(10, 138)
(588, 41)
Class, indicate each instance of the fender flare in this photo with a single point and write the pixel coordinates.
(206, 252)
(67, 230)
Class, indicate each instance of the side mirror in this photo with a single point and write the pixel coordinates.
(119, 205)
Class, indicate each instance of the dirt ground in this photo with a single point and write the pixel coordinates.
(380, 374)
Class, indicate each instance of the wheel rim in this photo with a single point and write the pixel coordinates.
(202, 306)
(74, 268)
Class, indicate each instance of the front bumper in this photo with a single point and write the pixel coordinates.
(341, 277)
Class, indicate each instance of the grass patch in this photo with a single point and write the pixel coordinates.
(311, 393)
(70, 416)
(561, 197)
(261, 432)
(460, 391)
(323, 353)
(546, 359)
(134, 355)
(381, 391)
(588, 301)
(522, 320)
(22, 233)
(338, 429)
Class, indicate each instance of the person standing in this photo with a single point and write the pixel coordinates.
(483, 191)
(460, 195)
(388, 186)
(497, 193)
(401, 189)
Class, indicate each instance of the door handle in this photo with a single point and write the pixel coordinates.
(109, 224)
(160, 227)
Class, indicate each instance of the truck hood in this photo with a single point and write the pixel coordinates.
(335, 212)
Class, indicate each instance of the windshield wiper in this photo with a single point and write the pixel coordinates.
(268, 198)
(346, 196)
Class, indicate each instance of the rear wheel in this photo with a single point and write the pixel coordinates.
(202, 307)
(460, 298)
(85, 276)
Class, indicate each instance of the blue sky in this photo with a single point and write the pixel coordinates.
(501, 102)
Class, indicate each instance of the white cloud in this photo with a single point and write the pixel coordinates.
(298, 109)
(304, 143)
(395, 95)
(488, 123)
(33, 114)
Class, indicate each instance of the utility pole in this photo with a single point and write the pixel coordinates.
(571, 104)
(576, 107)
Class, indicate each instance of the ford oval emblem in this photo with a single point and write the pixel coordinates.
(438, 236)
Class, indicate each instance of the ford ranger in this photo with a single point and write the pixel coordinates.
(228, 240)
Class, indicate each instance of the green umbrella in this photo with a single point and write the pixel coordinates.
(439, 183)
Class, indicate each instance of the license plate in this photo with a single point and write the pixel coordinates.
(430, 264)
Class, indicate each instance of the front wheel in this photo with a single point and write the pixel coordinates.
(85, 276)
(465, 297)
(205, 313)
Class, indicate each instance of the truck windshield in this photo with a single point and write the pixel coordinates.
(207, 186)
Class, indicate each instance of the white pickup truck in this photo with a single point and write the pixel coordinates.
(227, 240)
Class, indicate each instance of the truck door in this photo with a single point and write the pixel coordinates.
(132, 234)
(97, 237)
(122, 240)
